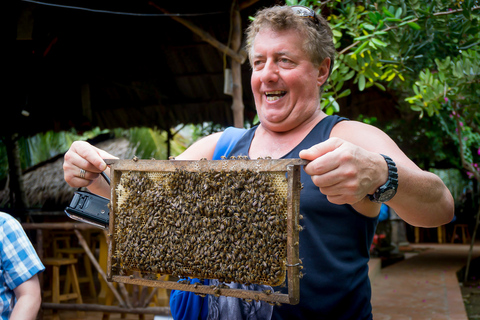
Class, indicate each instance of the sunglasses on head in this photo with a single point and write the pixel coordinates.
(305, 12)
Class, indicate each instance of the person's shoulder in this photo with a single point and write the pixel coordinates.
(6, 218)
(353, 127)
(359, 133)
(202, 148)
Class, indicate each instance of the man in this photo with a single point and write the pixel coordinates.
(20, 265)
(353, 167)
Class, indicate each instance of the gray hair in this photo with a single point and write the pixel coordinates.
(318, 38)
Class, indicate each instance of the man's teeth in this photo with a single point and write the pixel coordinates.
(274, 95)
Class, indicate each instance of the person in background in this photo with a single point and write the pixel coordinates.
(353, 167)
(20, 295)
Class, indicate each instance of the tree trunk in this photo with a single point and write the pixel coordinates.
(470, 252)
(18, 199)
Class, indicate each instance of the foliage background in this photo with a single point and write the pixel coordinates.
(426, 53)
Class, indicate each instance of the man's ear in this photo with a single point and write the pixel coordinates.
(323, 71)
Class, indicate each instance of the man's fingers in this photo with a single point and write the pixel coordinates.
(321, 149)
(91, 158)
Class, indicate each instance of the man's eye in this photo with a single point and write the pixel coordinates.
(258, 64)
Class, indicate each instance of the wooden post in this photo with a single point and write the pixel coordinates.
(236, 66)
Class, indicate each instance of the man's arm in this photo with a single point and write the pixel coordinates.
(28, 300)
(83, 155)
(349, 166)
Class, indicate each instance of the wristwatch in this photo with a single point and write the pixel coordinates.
(389, 189)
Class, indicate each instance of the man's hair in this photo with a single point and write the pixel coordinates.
(318, 38)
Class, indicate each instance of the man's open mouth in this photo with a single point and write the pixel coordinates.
(274, 95)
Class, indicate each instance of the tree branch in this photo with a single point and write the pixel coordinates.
(406, 22)
(467, 166)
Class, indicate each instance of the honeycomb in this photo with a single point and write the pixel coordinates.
(209, 224)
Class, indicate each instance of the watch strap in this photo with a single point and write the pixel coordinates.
(388, 190)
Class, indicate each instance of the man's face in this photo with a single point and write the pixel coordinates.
(284, 81)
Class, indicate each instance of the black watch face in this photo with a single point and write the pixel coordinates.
(387, 195)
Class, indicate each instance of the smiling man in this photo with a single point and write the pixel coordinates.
(353, 167)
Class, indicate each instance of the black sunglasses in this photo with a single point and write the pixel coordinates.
(305, 12)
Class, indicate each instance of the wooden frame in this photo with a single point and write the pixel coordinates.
(291, 167)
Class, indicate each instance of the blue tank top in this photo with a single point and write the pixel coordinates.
(334, 246)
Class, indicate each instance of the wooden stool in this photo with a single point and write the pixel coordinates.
(441, 234)
(76, 252)
(465, 233)
(56, 263)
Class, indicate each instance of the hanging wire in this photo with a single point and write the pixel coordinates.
(124, 13)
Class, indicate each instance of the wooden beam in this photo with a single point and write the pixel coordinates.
(161, 311)
(247, 3)
(206, 36)
(100, 271)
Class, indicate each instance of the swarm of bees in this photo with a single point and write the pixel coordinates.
(228, 225)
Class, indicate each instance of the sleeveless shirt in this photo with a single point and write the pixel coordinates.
(334, 246)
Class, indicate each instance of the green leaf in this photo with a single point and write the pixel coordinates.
(413, 25)
(344, 93)
(379, 42)
(362, 37)
(339, 85)
(368, 26)
(361, 82)
(361, 47)
(393, 19)
(337, 33)
(441, 76)
(373, 17)
(398, 13)
(380, 24)
(349, 75)
(466, 13)
(388, 13)
(380, 86)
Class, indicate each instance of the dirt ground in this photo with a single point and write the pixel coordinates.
(471, 290)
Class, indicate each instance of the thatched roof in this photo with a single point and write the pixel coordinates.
(45, 187)
(83, 68)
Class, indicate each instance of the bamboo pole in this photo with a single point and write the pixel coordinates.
(97, 266)
(237, 105)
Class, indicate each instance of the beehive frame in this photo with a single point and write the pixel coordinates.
(289, 168)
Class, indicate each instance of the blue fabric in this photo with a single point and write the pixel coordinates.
(384, 213)
(334, 247)
(186, 305)
(227, 141)
(19, 261)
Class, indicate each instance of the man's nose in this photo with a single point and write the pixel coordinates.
(270, 72)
